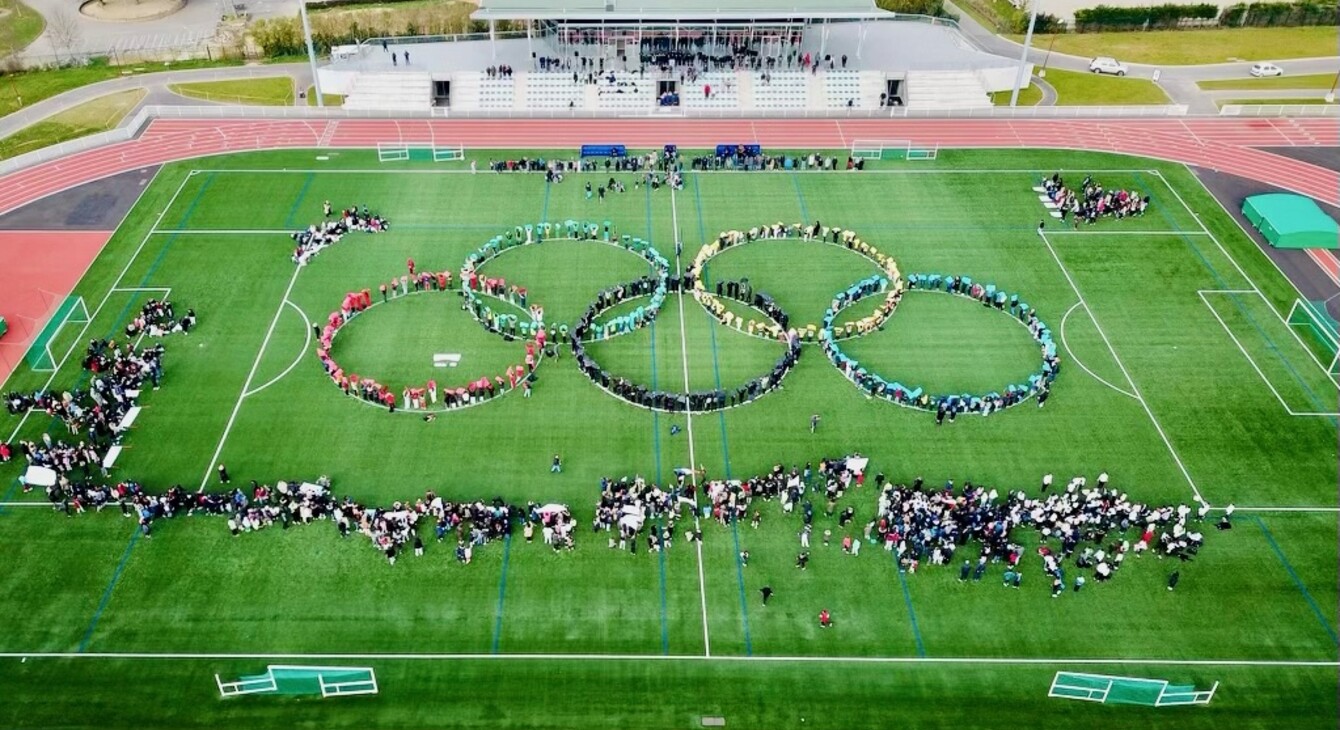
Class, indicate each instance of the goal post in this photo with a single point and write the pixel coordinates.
(419, 152)
(71, 309)
(1325, 334)
(281, 679)
(1107, 689)
(893, 149)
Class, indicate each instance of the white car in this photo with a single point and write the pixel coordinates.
(1266, 69)
(1105, 65)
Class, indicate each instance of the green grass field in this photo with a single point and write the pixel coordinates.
(1179, 378)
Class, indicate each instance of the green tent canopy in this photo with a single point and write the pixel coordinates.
(1291, 221)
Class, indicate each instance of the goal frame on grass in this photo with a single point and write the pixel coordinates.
(1306, 314)
(1098, 687)
(268, 684)
(897, 149)
(405, 151)
(39, 356)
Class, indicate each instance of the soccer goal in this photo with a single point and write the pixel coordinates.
(1313, 318)
(282, 679)
(1106, 689)
(419, 152)
(893, 149)
(71, 309)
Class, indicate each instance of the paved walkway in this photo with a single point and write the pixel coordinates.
(156, 83)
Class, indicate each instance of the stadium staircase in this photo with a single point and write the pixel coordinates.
(392, 91)
(935, 90)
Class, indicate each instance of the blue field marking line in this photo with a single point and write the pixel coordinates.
(9, 494)
(1297, 581)
(502, 592)
(1270, 343)
(656, 444)
(297, 202)
(911, 612)
(800, 196)
(725, 442)
(544, 209)
(107, 592)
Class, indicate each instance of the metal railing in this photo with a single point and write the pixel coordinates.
(1280, 110)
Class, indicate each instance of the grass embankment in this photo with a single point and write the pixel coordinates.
(261, 91)
(91, 117)
(1181, 47)
(329, 99)
(1309, 81)
(20, 25)
(1076, 88)
(1030, 95)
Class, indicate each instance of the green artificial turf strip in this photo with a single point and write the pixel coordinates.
(194, 588)
(1306, 81)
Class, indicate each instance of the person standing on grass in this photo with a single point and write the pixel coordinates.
(1046, 482)
(814, 423)
(409, 263)
(825, 619)
(325, 209)
(557, 466)
(223, 474)
(767, 593)
(1174, 579)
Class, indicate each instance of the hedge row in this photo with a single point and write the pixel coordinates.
(1268, 14)
(1106, 17)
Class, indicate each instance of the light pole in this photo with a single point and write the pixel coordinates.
(1330, 95)
(1023, 57)
(311, 52)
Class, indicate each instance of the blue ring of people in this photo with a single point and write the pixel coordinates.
(742, 291)
(946, 405)
(428, 395)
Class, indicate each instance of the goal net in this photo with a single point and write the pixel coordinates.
(893, 149)
(71, 309)
(1107, 689)
(294, 680)
(1321, 329)
(419, 152)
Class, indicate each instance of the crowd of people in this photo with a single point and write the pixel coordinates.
(949, 406)
(424, 396)
(777, 327)
(158, 318)
(315, 238)
(767, 162)
(1095, 527)
(1089, 201)
(394, 530)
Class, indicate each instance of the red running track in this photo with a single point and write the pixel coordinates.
(1229, 145)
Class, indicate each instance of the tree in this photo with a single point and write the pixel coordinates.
(65, 32)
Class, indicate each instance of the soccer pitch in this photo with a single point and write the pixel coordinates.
(1179, 378)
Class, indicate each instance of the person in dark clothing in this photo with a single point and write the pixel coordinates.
(1174, 579)
(767, 593)
(223, 474)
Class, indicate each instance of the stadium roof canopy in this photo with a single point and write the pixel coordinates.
(1291, 221)
(631, 11)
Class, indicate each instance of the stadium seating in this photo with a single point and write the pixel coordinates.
(783, 90)
(392, 91)
(628, 92)
(553, 91)
(946, 90)
(725, 91)
(495, 93)
(861, 88)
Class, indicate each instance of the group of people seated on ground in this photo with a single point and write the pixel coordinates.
(766, 162)
(626, 505)
(315, 238)
(1097, 527)
(1089, 201)
(501, 71)
(93, 416)
(393, 531)
(157, 318)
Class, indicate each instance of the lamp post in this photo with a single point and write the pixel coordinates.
(1023, 57)
(1330, 95)
(311, 52)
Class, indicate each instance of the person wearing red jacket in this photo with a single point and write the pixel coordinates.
(410, 264)
(825, 619)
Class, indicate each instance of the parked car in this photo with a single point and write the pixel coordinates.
(1105, 65)
(1266, 69)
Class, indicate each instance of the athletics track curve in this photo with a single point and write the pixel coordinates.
(1223, 144)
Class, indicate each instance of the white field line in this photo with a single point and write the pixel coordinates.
(1125, 373)
(306, 341)
(688, 427)
(1024, 661)
(889, 171)
(223, 232)
(94, 315)
(841, 135)
(139, 289)
(1075, 358)
(214, 460)
(1251, 360)
(1317, 259)
(1063, 232)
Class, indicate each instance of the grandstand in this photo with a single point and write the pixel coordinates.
(703, 57)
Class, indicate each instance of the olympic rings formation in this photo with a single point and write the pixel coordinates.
(477, 290)
(912, 396)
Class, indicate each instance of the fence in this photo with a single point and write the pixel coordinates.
(1280, 110)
